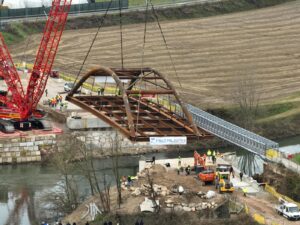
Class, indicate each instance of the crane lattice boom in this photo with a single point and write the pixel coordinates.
(10, 75)
(20, 103)
(45, 57)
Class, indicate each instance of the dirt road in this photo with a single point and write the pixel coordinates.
(263, 204)
(210, 54)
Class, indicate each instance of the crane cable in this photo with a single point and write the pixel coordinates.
(121, 33)
(165, 41)
(142, 64)
(93, 41)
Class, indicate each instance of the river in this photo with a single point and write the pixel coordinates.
(23, 187)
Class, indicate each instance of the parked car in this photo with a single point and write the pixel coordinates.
(54, 74)
(68, 87)
(6, 127)
(288, 210)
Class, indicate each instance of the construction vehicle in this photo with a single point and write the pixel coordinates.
(224, 184)
(207, 176)
(17, 103)
(199, 162)
(288, 210)
(206, 173)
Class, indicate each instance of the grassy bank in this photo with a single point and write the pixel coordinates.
(296, 158)
(16, 32)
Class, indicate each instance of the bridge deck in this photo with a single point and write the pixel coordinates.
(150, 119)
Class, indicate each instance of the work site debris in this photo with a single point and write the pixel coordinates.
(149, 205)
(210, 194)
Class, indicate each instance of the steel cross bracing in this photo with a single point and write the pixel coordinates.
(232, 133)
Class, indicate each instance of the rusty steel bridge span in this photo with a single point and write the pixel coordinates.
(142, 103)
(132, 102)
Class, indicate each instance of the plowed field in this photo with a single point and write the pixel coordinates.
(210, 54)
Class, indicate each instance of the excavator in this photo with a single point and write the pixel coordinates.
(206, 174)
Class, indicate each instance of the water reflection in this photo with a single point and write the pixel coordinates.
(23, 189)
(19, 208)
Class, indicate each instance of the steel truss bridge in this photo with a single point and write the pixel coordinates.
(141, 103)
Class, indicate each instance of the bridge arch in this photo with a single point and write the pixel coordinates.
(138, 110)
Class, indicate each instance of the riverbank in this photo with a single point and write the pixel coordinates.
(192, 207)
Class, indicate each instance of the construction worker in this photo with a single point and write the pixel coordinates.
(102, 91)
(61, 106)
(187, 170)
(129, 181)
(214, 157)
(217, 180)
(241, 175)
(209, 154)
(153, 160)
(231, 171)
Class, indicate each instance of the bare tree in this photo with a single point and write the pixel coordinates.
(87, 147)
(116, 145)
(246, 95)
(66, 197)
(152, 193)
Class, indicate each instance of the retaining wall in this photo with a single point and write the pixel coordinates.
(25, 149)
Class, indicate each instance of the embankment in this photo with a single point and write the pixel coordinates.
(18, 31)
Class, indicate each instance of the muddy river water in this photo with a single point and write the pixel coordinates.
(23, 187)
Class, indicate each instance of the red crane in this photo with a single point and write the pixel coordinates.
(17, 104)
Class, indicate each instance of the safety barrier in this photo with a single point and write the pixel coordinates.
(261, 219)
(273, 192)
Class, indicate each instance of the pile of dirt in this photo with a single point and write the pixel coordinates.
(175, 208)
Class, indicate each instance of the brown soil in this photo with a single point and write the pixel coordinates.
(261, 203)
(160, 176)
(264, 204)
(210, 54)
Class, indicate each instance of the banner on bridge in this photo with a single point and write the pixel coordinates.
(168, 140)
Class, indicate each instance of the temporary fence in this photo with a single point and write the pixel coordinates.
(6, 13)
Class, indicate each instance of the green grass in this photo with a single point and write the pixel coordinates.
(18, 32)
(296, 159)
(275, 109)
